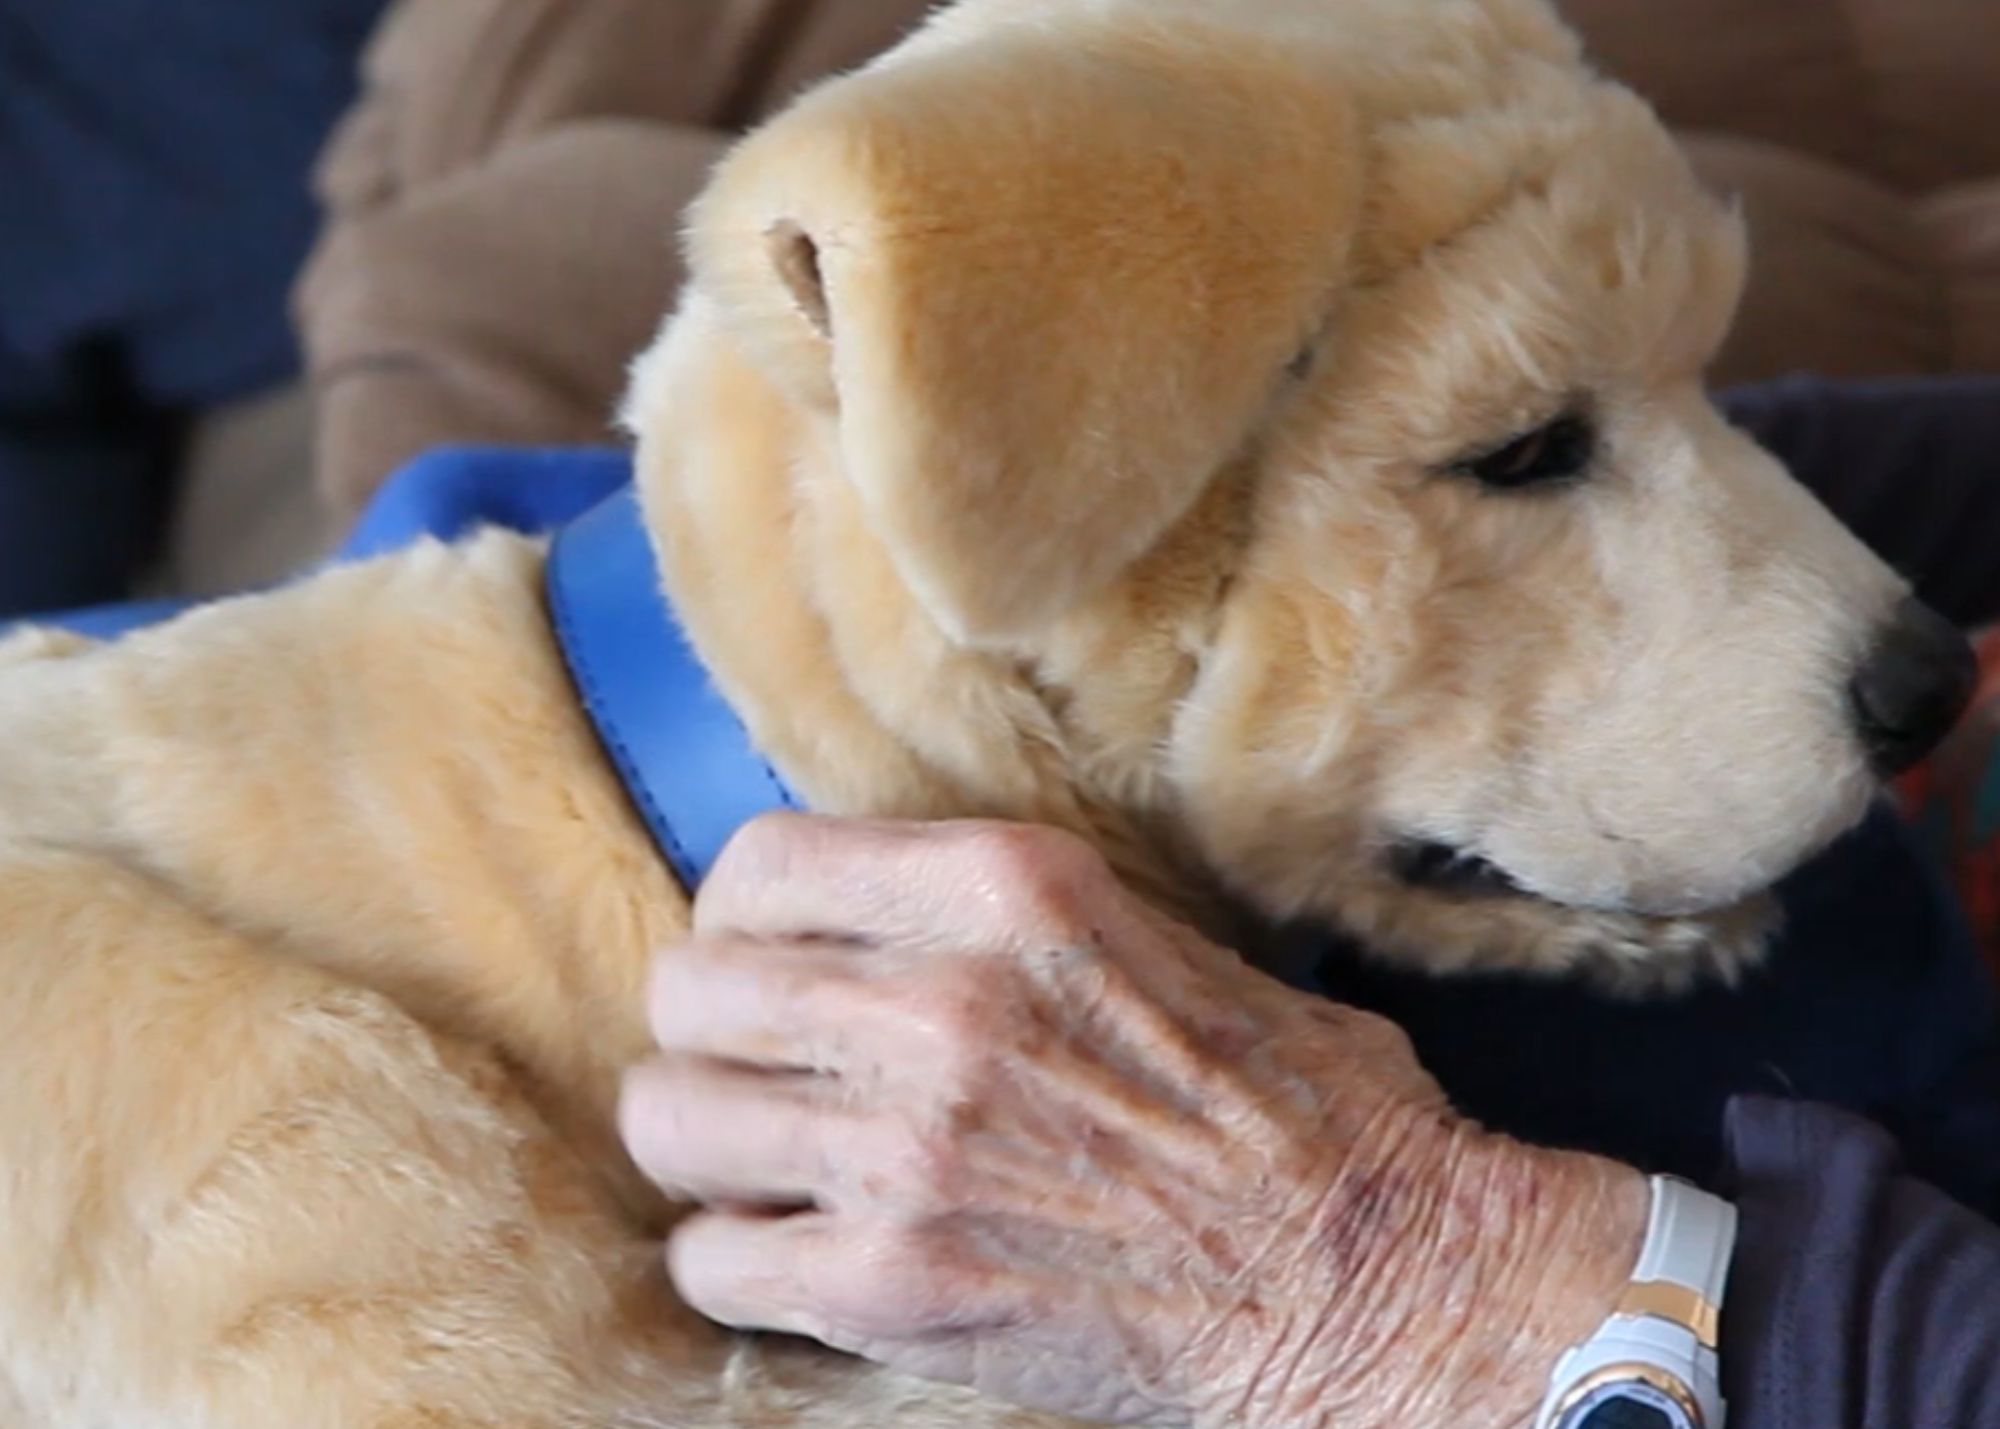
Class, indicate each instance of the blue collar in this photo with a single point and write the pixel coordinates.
(685, 758)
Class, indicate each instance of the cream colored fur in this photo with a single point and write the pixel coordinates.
(1058, 427)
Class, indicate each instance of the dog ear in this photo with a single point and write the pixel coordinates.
(1048, 284)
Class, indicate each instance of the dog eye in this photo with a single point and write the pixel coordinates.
(1555, 451)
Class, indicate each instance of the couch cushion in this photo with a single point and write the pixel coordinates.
(1843, 277)
(1901, 90)
(500, 304)
(1963, 226)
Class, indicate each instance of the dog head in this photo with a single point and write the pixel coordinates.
(1302, 400)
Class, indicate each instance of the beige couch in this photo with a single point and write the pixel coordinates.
(1864, 137)
(501, 206)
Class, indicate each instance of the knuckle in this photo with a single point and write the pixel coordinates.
(761, 848)
(1044, 873)
(1391, 1040)
(1368, 1032)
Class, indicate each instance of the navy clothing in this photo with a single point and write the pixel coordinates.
(155, 157)
(1859, 1297)
(85, 471)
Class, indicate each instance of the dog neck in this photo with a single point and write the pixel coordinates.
(860, 701)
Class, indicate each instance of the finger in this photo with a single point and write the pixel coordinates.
(855, 1285)
(709, 1131)
(796, 1005)
(953, 886)
(1125, 1079)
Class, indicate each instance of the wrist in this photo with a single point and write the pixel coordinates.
(1566, 1274)
(1548, 1246)
(1505, 1257)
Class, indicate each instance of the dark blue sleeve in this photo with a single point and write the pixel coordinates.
(155, 156)
(154, 210)
(1860, 1297)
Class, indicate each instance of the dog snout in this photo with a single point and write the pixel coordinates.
(1911, 688)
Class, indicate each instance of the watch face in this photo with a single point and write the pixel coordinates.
(1627, 1405)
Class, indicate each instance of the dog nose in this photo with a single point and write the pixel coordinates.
(1912, 688)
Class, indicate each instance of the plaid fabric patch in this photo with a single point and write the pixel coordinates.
(1954, 800)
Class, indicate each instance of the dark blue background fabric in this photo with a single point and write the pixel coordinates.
(155, 159)
(157, 154)
(1910, 464)
(84, 480)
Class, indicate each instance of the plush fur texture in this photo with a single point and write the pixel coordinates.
(1066, 422)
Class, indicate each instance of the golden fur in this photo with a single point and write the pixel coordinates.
(1059, 426)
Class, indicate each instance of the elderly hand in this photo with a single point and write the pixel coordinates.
(958, 1102)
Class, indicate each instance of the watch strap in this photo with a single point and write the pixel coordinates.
(1684, 1263)
(1664, 1328)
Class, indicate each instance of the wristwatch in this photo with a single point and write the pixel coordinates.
(1652, 1364)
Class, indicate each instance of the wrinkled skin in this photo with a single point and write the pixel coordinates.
(961, 1104)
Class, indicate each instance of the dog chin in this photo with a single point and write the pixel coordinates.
(1624, 954)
